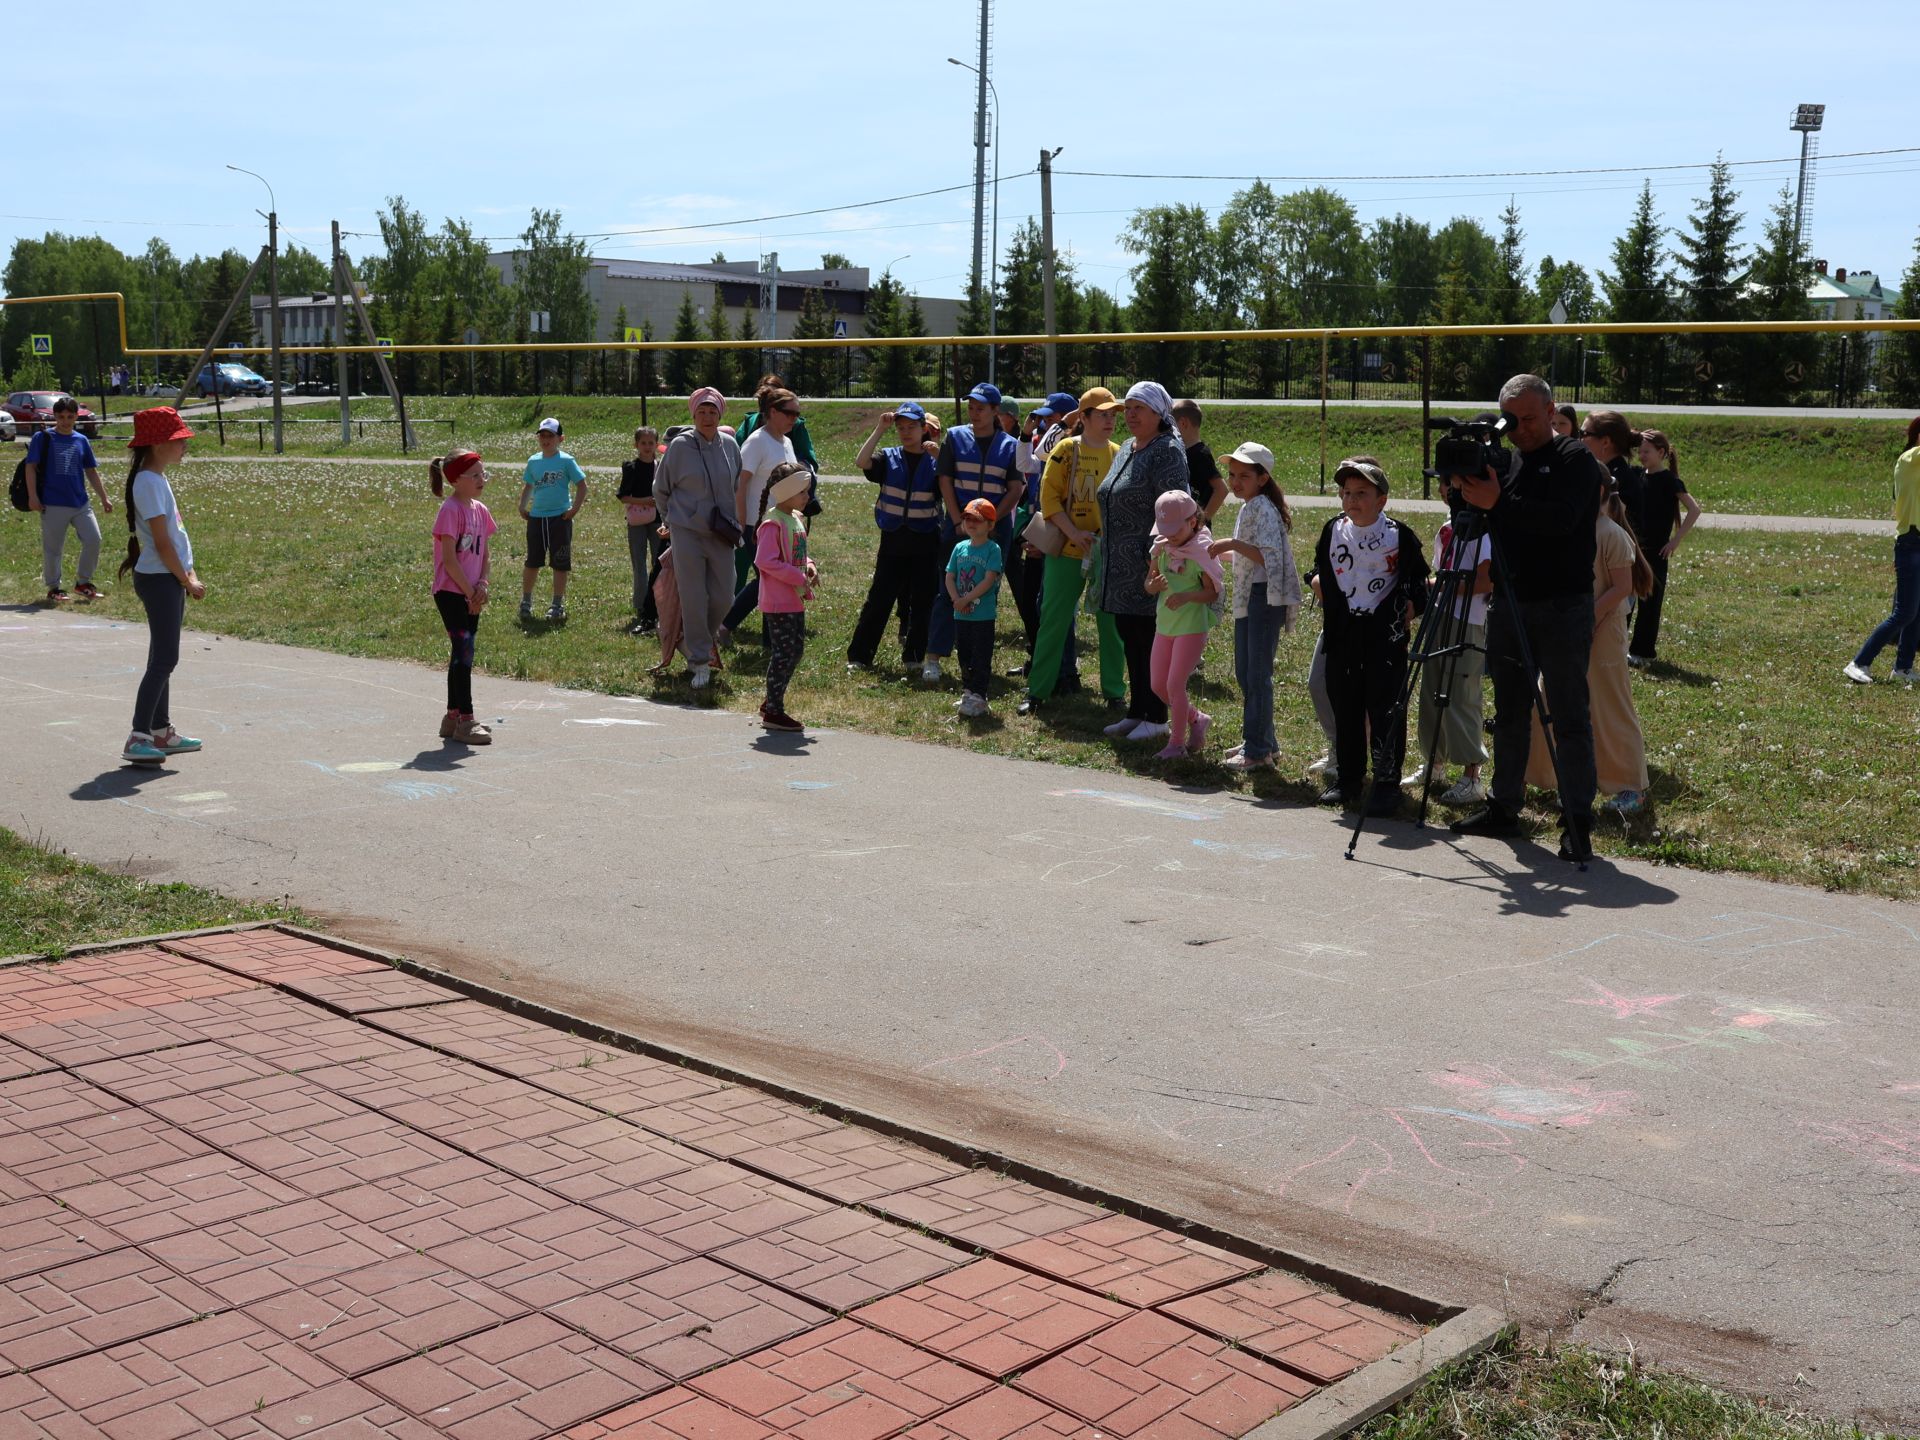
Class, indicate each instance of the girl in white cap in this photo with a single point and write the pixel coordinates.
(1266, 598)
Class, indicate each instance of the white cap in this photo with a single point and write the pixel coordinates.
(1251, 454)
(549, 426)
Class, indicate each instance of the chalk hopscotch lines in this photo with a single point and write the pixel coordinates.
(1045, 1062)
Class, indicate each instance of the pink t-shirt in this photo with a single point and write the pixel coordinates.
(470, 525)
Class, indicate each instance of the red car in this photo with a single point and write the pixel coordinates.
(33, 410)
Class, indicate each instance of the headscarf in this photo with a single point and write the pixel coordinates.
(706, 395)
(1172, 510)
(1153, 395)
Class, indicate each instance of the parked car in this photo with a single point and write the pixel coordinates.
(233, 379)
(7, 428)
(162, 392)
(33, 410)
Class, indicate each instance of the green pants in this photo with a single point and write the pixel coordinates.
(1060, 586)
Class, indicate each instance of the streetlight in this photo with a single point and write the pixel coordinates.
(273, 300)
(993, 328)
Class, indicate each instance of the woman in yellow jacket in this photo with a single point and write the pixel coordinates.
(1068, 485)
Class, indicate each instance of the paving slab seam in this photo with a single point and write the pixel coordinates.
(137, 942)
(1364, 1288)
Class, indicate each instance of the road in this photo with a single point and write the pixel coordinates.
(1634, 1103)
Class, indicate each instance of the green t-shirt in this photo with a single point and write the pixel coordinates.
(1188, 619)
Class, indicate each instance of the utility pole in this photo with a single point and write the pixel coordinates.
(980, 164)
(273, 298)
(339, 335)
(1046, 264)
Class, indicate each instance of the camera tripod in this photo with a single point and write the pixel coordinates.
(1441, 642)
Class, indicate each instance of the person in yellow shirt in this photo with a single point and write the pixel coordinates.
(1068, 486)
(1901, 629)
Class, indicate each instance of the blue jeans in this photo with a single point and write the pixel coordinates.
(165, 601)
(1901, 629)
(1256, 639)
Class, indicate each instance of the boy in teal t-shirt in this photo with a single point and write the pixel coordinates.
(548, 503)
(973, 584)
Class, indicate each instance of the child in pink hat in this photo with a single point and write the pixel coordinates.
(1183, 572)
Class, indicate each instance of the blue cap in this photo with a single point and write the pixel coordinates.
(911, 410)
(985, 394)
(1058, 403)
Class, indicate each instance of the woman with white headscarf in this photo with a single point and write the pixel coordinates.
(1151, 462)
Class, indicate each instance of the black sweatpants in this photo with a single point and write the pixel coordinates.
(165, 601)
(1136, 638)
(1366, 659)
(973, 644)
(906, 573)
(462, 626)
(1645, 644)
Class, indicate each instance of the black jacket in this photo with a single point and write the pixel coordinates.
(1410, 577)
(1545, 520)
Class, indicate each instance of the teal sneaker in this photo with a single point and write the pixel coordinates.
(142, 751)
(174, 743)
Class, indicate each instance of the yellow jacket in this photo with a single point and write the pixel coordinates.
(1068, 484)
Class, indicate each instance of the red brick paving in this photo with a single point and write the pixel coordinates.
(372, 1317)
(690, 1317)
(1130, 1260)
(1154, 1375)
(842, 1258)
(519, 1381)
(37, 1233)
(1298, 1324)
(677, 1414)
(987, 1211)
(993, 1317)
(252, 1186)
(840, 1382)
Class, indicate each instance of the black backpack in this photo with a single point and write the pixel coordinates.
(17, 490)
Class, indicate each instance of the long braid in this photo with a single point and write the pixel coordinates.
(141, 455)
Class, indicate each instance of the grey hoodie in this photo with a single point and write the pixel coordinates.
(694, 476)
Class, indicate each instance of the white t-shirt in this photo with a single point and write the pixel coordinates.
(1366, 563)
(762, 452)
(1480, 553)
(153, 500)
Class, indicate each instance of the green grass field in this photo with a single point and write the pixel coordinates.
(1737, 464)
(1763, 759)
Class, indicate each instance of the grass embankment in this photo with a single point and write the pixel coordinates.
(1763, 759)
(50, 902)
(1749, 465)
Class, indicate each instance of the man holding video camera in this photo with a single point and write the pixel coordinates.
(1542, 520)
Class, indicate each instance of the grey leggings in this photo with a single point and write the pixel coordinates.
(54, 520)
(165, 600)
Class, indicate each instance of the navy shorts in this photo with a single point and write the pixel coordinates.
(550, 543)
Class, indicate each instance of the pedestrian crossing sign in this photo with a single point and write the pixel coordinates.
(42, 344)
(634, 336)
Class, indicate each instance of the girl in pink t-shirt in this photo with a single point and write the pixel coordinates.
(460, 558)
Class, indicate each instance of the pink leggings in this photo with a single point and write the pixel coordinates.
(1174, 657)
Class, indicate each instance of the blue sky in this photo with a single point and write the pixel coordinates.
(642, 115)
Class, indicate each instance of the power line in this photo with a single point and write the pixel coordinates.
(1480, 174)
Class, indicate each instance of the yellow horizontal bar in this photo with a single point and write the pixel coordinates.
(1313, 333)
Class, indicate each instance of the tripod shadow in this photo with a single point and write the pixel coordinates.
(1533, 881)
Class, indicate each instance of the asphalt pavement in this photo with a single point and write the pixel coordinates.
(1632, 1103)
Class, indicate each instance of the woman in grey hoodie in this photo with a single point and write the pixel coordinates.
(694, 490)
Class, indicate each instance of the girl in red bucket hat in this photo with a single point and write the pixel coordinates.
(161, 558)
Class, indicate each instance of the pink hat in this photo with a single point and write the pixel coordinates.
(707, 395)
(1172, 510)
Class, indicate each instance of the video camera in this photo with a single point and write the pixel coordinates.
(1470, 448)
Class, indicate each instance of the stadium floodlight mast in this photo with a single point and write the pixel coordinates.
(1807, 119)
(273, 303)
(979, 184)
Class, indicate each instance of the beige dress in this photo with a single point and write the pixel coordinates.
(1619, 751)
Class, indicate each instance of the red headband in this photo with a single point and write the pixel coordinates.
(454, 466)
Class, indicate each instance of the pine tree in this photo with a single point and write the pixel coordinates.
(1773, 367)
(1901, 352)
(746, 362)
(646, 374)
(681, 363)
(716, 366)
(1711, 268)
(1636, 293)
(811, 365)
(619, 332)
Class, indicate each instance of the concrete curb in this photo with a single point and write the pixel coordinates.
(136, 942)
(1380, 1386)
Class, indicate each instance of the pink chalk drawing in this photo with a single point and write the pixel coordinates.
(1489, 1091)
(1752, 1015)
(1624, 1007)
(1396, 1175)
(1892, 1144)
(1038, 1060)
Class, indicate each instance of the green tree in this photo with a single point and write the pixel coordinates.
(618, 331)
(810, 368)
(746, 363)
(889, 367)
(1022, 308)
(716, 366)
(681, 363)
(834, 260)
(551, 275)
(303, 272)
(1901, 352)
(1773, 367)
(1636, 293)
(1176, 277)
(1405, 263)
(1712, 269)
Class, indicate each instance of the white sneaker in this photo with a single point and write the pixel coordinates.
(1238, 761)
(702, 676)
(1907, 677)
(1419, 778)
(1121, 729)
(1146, 731)
(930, 671)
(1466, 792)
(1858, 676)
(1323, 765)
(973, 706)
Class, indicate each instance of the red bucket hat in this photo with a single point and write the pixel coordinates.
(157, 426)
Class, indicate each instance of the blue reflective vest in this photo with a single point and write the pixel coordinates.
(978, 476)
(909, 496)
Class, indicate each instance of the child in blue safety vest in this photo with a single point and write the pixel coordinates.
(906, 573)
(976, 463)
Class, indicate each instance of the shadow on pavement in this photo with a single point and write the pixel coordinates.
(1537, 882)
(120, 782)
(783, 742)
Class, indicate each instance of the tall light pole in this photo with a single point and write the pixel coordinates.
(1807, 119)
(993, 287)
(273, 302)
